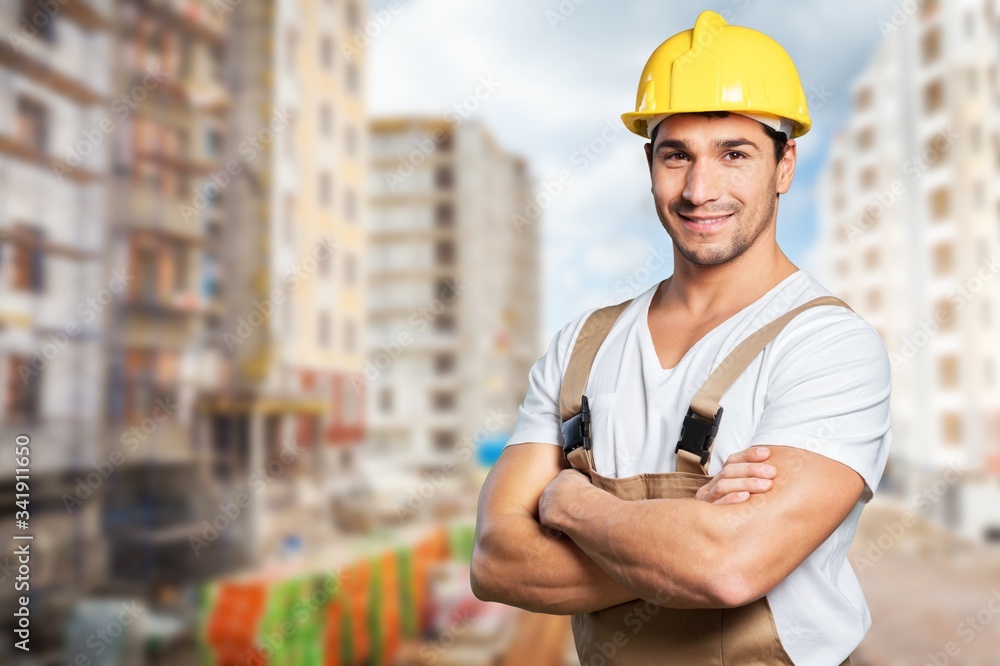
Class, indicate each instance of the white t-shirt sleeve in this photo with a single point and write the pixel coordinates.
(538, 417)
(828, 392)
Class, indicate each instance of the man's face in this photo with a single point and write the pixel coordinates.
(715, 184)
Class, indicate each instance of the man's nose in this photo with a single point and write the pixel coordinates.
(703, 184)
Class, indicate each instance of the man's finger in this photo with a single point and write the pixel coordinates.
(727, 486)
(744, 470)
(751, 455)
(733, 498)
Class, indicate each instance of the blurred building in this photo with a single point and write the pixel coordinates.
(53, 211)
(293, 320)
(909, 238)
(454, 303)
(167, 231)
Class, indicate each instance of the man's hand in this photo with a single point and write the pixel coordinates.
(560, 495)
(744, 473)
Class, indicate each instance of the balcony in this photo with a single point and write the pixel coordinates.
(59, 66)
(146, 209)
(195, 18)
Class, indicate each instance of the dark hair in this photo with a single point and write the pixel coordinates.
(780, 139)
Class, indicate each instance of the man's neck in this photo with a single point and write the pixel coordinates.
(703, 291)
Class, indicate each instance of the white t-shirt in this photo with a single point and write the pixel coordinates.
(822, 384)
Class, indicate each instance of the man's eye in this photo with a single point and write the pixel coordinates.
(734, 155)
(674, 157)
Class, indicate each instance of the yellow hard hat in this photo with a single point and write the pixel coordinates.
(719, 67)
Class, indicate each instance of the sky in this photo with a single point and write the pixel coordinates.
(550, 78)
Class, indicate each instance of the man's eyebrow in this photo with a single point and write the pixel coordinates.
(721, 144)
(675, 144)
(729, 144)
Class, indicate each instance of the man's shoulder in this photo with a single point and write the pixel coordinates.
(827, 330)
(570, 331)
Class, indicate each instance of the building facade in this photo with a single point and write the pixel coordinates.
(293, 320)
(909, 237)
(453, 289)
(54, 119)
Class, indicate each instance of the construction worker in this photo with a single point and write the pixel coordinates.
(688, 467)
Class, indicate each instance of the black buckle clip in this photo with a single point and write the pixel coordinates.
(576, 430)
(698, 434)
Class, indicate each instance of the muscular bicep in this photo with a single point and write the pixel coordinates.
(517, 479)
(776, 531)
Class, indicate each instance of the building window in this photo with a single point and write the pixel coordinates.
(943, 259)
(28, 262)
(866, 138)
(180, 268)
(351, 141)
(940, 201)
(350, 205)
(863, 99)
(385, 400)
(326, 52)
(933, 96)
(948, 371)
(289, 219)
(444, 363)
(326, 120)
(444, 441)
(325, 189)
(351, 72)
(444, 323)
(32, 125)
(24, 380)
(350, 337)
(40, 15)
(944, 314)
(444, 253)
(323, 260)
(872, 258)
(868, 178)
(444, 215)
(935, 152)
(350, 270)
(444, 177)
(443, 401)
(874, 300)
(931, 45)
(323, 330)
(291, 49)
(951, 429)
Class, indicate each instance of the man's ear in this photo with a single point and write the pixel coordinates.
(649, 156)
(786, 167)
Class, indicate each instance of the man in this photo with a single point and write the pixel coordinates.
(742, 562)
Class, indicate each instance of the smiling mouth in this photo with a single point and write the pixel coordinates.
(701, 224)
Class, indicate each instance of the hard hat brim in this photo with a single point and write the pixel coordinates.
(635, 121)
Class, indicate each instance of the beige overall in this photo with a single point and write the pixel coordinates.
(639, 632)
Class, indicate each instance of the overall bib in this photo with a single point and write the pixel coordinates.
(647, 633)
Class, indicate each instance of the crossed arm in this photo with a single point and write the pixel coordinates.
(548, 541)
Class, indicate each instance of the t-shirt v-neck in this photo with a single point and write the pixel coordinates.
(652, 360)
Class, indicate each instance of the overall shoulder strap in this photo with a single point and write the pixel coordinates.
(595, 330)
(705, 404)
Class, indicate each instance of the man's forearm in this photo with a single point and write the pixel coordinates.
(665, 550)
(520, 563)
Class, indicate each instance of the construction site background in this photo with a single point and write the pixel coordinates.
(266, 344)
